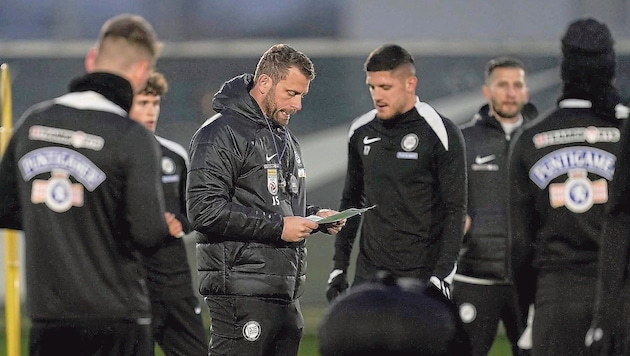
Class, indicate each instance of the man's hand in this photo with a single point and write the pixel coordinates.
(442, 285)
(175, 228)
(467, 224)
(332, 228)
(337, 284)
(600, 340)
(525, 340)
(297, 228)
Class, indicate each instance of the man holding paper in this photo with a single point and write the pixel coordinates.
(246, 199)
(409, 161)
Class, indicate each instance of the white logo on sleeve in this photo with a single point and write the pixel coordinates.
(251, 330)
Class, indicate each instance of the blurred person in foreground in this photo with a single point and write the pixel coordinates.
(394, 317)
(82, 180)
(246, 198)
(177, 324)
(610, 327)
(484, 288)
(560, 169)
(408, 161)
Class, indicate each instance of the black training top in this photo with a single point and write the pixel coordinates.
(412, 167)
(81, 179)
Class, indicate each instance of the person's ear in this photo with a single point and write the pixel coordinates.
(90, 58)
(526, 94)
(485, 90)
(411, 83)
(140, 74)
(264, 83)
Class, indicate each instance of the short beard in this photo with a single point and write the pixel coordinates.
(505, 115)
(268, 104)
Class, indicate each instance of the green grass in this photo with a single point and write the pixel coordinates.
(312, 317)
(308, 346)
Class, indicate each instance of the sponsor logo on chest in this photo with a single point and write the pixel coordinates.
(484, 163)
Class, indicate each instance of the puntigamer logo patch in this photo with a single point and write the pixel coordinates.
(561, 161)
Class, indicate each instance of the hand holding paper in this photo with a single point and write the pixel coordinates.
(348, 213)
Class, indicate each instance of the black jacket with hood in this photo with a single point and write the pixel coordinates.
(485, 252)
(246, 174)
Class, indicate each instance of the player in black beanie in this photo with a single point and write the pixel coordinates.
(588, 65)
(561, 172)
(393, 317)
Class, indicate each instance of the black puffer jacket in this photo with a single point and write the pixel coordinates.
(246, 174)
(485, 250)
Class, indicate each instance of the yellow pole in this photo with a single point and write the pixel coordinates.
(11, 256)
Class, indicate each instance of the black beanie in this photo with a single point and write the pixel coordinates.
(392, 317)
(587, 53)
(588, 64)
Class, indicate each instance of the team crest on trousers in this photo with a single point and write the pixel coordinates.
(251, 330)
(467, 312)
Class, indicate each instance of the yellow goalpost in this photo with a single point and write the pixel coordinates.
(11, 251)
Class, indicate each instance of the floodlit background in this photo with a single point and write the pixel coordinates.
(210, 41)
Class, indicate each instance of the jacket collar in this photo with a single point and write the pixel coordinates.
(114, 88)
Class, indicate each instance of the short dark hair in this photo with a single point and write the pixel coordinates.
(502, 62)
(277, 60)
(156, 85)
(387, 57)
(135, 30)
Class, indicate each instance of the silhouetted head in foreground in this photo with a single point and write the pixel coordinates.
(392, 317)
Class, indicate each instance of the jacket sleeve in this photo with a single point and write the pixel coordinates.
(144, 197)
(216, 159)
(453, 191)
(182, 215)
(10, 208)
(351, 198)
(615, 246)
(521, 211)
